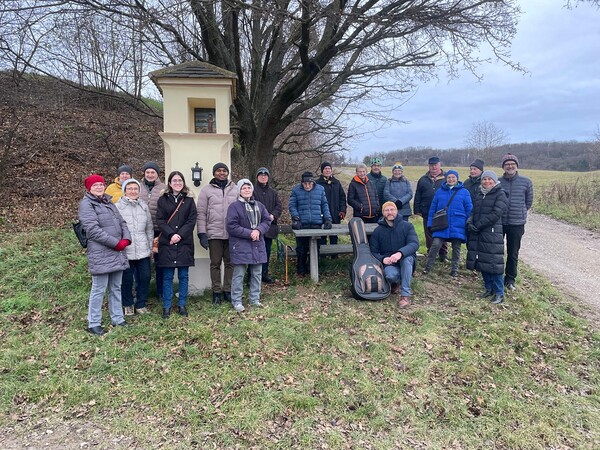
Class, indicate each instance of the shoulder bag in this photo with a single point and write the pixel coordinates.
(440, 217)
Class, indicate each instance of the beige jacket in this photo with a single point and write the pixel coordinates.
(213, 203)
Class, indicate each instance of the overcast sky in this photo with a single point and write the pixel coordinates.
(558, 99)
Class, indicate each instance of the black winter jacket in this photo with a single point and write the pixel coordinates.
(182, 223)
(519, 191)
(378, 181)
(270, 199)
(425, 191)
(485, 249)
(363, 198)
(472, 184)
(336, 197)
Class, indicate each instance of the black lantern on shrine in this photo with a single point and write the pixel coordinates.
(196, 175)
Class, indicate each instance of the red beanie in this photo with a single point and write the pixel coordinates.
(91, 180)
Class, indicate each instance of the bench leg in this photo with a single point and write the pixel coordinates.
(314, 260)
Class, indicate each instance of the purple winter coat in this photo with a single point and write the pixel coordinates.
(242, 248)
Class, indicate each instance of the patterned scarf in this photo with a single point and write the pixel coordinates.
(252, 211)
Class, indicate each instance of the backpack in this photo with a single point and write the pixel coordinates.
(366, 272)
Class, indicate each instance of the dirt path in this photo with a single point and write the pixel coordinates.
(568, 256)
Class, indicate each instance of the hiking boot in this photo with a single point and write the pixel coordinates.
(257, 304)
(454, 273)
(166, 313)
(267, 279)
(143, 310)
(122, 324)
(404, 301)
(128, 310)
(97, 331)
(238, 307)
(426, 270)
(216, 300)
(498, 299)
(442, 258)
(182, 311)
(395, 288)
(510, 286)
(485, 294)
(227, 297)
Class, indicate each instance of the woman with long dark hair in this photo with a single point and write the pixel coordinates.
(176, 218)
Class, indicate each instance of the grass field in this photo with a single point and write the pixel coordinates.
(314, 369)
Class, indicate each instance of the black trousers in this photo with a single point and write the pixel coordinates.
(513, 235)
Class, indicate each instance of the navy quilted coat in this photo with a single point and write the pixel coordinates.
(311, 206)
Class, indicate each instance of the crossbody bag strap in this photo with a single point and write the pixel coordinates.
(172, 215)
(451, 198)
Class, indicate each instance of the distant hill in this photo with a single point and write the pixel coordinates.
(52, 136)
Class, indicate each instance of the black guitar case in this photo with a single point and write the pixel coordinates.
(366, 272)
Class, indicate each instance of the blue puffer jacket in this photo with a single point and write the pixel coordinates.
(458, 211)
(311, 206)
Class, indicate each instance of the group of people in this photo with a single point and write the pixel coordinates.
(237, 222)
(123, 228)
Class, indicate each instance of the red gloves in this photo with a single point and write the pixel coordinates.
(122, 244)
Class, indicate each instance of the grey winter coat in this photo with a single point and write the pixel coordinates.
(242, 248)
(139, 222)
(105, 228)
(519, 191)
(485, 248)
(213, 203)
(150, 196)
(398, 189)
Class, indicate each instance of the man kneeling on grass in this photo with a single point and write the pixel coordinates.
(395, 243)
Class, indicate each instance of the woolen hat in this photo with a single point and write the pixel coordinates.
(491, 174)
(477, 163)
(325, 164)
(263, 170)
(220, 165)
(453, 172)
(131, 180)
(244, 181)
(397, 166)
(125, 168)
(307, 177)
(510, 157)
(389, 204)
(151, 165)
(93, 179)
(433, 160)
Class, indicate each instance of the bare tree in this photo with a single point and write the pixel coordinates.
(484, 137)
(307, 61)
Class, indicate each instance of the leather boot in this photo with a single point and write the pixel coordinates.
(216, 300)
(227, 296)
(166, 313)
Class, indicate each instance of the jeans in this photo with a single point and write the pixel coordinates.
(139, 269)
(401, 273)
(437, 244)
(218, 252)
(429, 239)
(237, 283)
(112, 282)
(265, 266)
(168, 276)
(493, 282)
(513, 234)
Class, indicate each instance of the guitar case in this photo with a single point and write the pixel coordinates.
(366, 272)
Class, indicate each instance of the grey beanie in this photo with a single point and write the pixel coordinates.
(243, 182)
(125, 168)
(263, 170)
(151, 165)
(131, 180)
(491, 174)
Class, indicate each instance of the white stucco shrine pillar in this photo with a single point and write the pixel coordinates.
(196, 98)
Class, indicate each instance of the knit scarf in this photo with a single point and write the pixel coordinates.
(485, 191)
(252, 211)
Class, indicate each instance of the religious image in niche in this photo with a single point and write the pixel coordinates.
(204, 120)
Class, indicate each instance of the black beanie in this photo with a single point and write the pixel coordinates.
(220, 165)
(478, 163)
(151, 165)
(325, 164)
(125, 168)
(307, 177)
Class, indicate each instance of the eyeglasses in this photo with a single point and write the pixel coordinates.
(175, 181)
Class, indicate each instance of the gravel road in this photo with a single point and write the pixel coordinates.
(567, 255)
